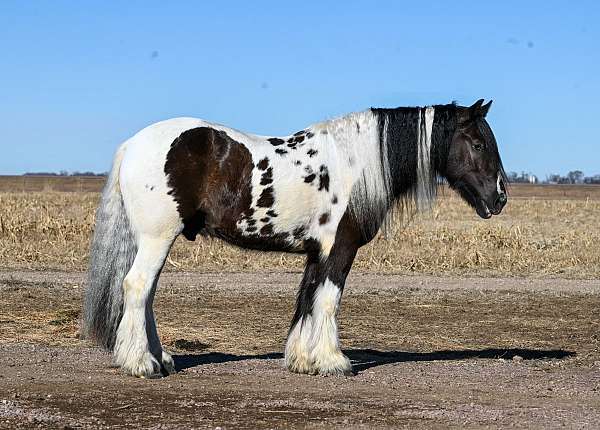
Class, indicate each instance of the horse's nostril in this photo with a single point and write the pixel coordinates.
(501, 200)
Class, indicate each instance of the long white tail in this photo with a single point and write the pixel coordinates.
(112, 253)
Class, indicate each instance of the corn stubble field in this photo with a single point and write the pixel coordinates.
(534, 236)
(450, 321)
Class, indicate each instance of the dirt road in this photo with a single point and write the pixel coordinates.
(427, 352)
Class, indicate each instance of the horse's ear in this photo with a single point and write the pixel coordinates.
(483, 110)
(476, 110)
(476, 107)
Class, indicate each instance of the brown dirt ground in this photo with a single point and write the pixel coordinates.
(428, 352)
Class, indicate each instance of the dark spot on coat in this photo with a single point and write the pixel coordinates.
(334, 200)
(281, 151)
(309, 135)
(308, 179)
(275, 141)
(308, 169)
(324, 218)
(298, 133)
(299, 232)
(358, 128)
(311, 245)
(263, 164)
(266, 229)
(295, 140)
(297, 162)
(324, 132)
(271, 213)
(311, 152)
(266, 199)
(249, 212)
(251, 221)
(323, 178)
(267, 177)
(265, 219)
(251, 229)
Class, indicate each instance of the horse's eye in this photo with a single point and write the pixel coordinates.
(477, 146)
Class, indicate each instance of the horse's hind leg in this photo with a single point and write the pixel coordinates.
(137, 347)
(168, 365)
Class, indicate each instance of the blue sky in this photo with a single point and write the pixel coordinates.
(80, 77)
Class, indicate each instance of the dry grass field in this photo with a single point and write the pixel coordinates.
(543, 232)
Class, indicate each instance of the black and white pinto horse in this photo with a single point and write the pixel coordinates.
(324, 191)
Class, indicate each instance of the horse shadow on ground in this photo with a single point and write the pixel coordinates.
(363, 359)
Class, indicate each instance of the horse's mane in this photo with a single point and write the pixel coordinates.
(411, 159)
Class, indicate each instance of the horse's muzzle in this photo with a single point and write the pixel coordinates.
(499, 203)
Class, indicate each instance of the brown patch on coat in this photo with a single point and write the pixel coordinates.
(210, 178)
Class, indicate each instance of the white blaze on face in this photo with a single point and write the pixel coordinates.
(499, 184)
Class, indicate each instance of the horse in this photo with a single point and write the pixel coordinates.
(324, 191)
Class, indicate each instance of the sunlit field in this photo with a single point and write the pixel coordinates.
(548, 234)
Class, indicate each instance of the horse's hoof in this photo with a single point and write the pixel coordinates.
(335, 365)
(337, 372)
(168, 365)
(146, 366)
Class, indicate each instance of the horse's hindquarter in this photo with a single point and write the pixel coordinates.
(143, 181)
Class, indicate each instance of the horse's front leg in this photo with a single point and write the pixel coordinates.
(313, 343)
(326, 357)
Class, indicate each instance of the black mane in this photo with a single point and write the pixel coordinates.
(399, 142)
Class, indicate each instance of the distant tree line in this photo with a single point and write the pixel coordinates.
(64, 173)
(573, 177)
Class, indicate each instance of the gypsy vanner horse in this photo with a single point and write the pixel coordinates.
(324, 191)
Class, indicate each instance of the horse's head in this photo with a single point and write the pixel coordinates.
(474, 168)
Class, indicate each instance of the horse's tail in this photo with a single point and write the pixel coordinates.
(112, 252)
